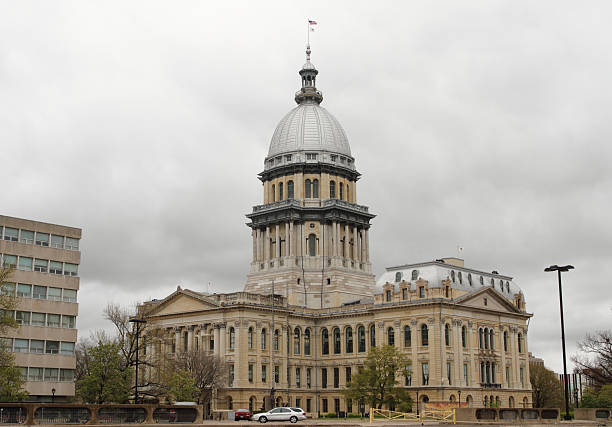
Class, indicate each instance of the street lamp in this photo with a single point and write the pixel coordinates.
(138, 323)
(558, 269)
(53, 395)
(459, 392)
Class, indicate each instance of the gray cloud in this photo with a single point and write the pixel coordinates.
(484, 126)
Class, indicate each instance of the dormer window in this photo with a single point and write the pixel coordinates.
(481, 280)
(485, 301)
(492, 282)
(311, 156)
(453, 275)
(507, 287)
(460, 278)
(342, 159)
(470, 279)
(398, 276)
(288, 157)
(333, 158)
(415, 274)
(278, 160)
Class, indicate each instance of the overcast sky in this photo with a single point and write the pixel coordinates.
(481, 124)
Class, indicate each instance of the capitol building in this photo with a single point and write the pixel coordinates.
(311, 307)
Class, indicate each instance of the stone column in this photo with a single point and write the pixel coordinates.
(222, 337)
(253, 233)
(190, 338)
(303, 240)
(216, 340)
(458, 380)
(367, 245)
(355, 244)
(515, 358)
(338, 241)
(502, 374)
(333, 239)
(237, 354)
(267, 254)
(346, 241)
(414, 341)
(277, 244)
(398, 335)
(177, 339)
(258, 244)
(292, 239)
(287, 239)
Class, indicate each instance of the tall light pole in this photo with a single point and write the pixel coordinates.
(138, 323)
(558, 269)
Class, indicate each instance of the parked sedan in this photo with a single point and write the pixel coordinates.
(279, 414)
(242, 414)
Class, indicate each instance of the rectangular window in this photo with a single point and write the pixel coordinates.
(24, 291)
(404, 293)
(308, 405)
(250, 373)
(308, 378)
(52, 347)
(27, 237)
(11, 234)
(421, 291)
(54, 294)
(347, 374)
(55, 267)
(425, 370)
(39, 292)
(288, 157)
(8, 288)
(264, 373)
(23, 317)
(466, 374)
(323, 377)
(69, 295)
(67, 375)
(53, 320)
(9, 261)
(70, 269)
(24, 373)
(25, 263)
(72, 244)
(408, 379)
(230, 377)
(298, 402)
(508, 375)
(336, 377)
(448, 373)
(42, 239)
(522, 376)
(324, 405)
(68, 322)
(35, 374)
(20, 346)
(41, 265)
(211, 343)
(37, 346)
(311, 156)
(276, 374)
(38, 319)
(57, 241)
(51, 374)
(298, 377)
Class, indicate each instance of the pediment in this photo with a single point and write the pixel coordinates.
(495, 301)
(183, 301)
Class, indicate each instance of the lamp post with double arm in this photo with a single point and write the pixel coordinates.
(559, 270)
(138, 322)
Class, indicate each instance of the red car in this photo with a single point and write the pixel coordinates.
(242, 414)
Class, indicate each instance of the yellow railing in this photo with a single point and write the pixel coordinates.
(428, 413)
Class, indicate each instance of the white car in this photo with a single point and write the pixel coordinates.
(280, 414)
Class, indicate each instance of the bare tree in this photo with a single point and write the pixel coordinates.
(209, 371)
(596, 360)
(81, 351)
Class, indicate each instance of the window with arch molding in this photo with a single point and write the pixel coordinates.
(372, 335)
(308, 189)
(361, 339)
(348, 339)
(492, 282)
(398, 276)
(415, 274)
(390, 336)
(232, 338)
(296, 341)
(315, 188)
(460, 278)
(491, 339)
(290, 193)
(481, 280)
(388, 295)
(280, 191)
(341, 191)
(520, 342)
(507, 287)
(407, 336)
(332, 189)
(312, 245)
(337, 341)
(324, 341)
(470, 279)
(424, 335)
(447, 335)
(307, 342)
(453, 275)
(263, 339)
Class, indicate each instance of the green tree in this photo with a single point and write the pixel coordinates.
(547, 388)
(376, 382)
(106, 379)
(595, 358)
(594, 399)
(181, 386)
(11, 382)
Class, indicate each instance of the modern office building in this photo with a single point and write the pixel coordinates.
(45, 280)
(311, 308)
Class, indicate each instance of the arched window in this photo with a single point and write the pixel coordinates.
(290, 190)
(505, 340)
(453, 275)
(263, 339)
(251, 404)
(480, 341)
(341, 191)
(491, 339)
(337, 342)
(276, 340)
(307, 189)
(390, 336)
(312, 242)
(361, 339)
(520, 343)
(463, 336)
(230, 403)
(307, 342)
(348, 193)
(460, 277)
(424, 335)
(273, 193)
(348, 339)
(388, 295)
(447, 335)
(492, 282)
(232, 338)
(470, 279)
(280, 191)
(296, 341)
(486, 338)
(398, 276)
(407, 336)
(315, 188)
(507, 287)
(250, 338)
(372, 335)
(332, 189)
(481, 280)
(324, 341)
(415, 274)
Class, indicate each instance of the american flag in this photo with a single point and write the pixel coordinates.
(312, 22)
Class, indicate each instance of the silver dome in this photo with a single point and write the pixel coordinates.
(309, 127)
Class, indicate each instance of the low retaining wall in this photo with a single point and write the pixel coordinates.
(593, 414)
(61, 413)
(523, 415)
